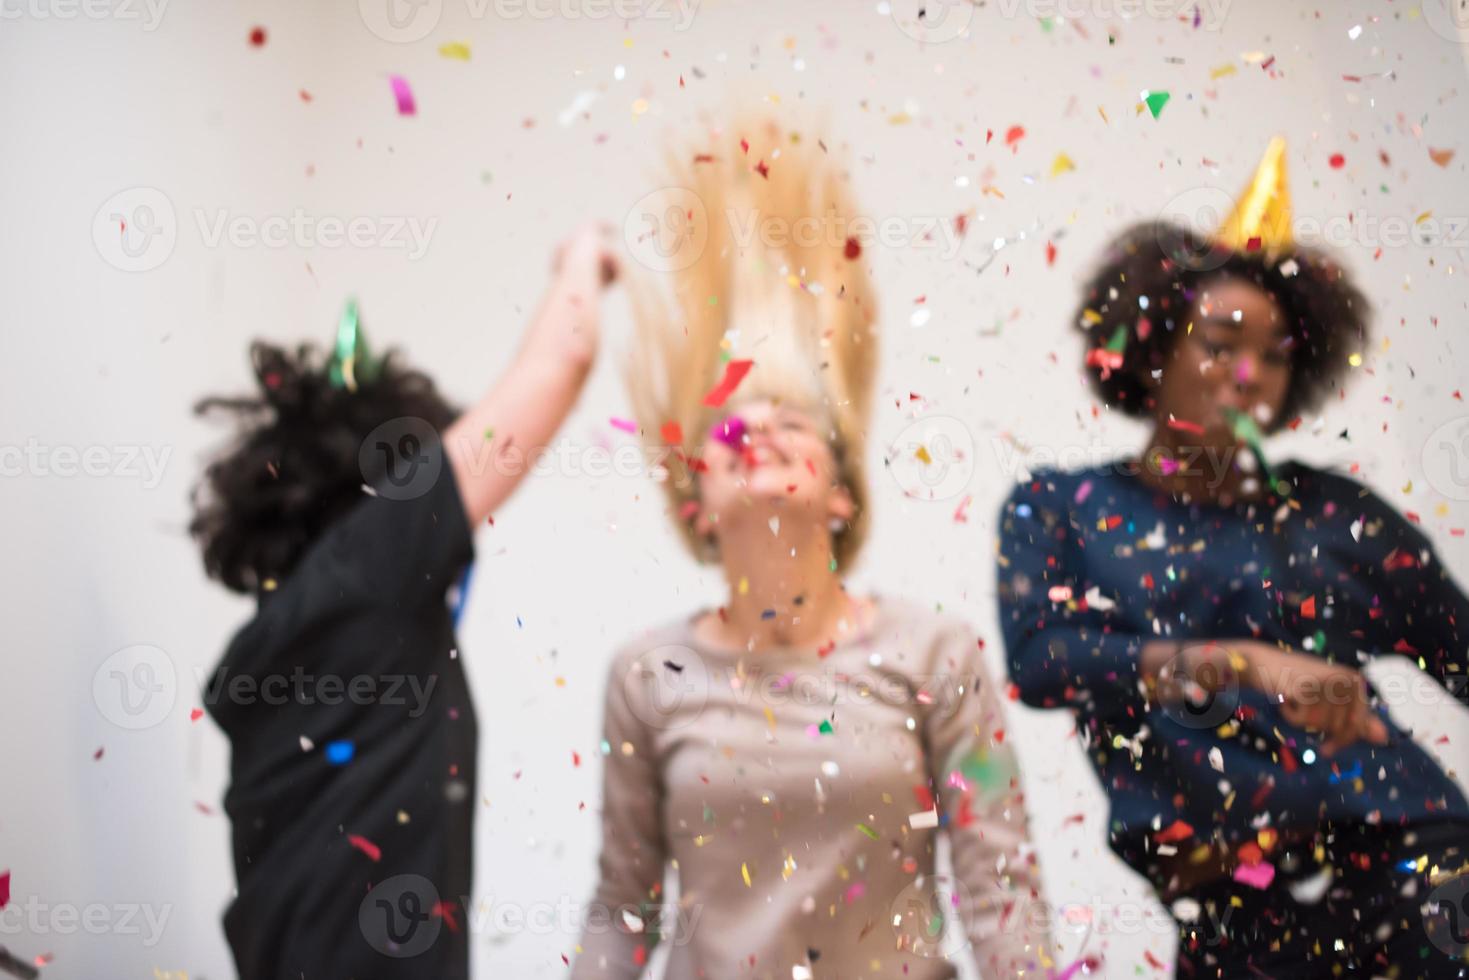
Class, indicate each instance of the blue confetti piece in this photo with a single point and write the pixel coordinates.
(340, 753)
(1354, 773)
(1022, 510)
(1411, 864)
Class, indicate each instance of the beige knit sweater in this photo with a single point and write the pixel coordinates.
(792, 794)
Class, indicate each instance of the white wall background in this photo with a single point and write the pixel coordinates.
(106, 100)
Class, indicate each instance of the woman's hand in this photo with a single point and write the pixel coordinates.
(1314, 694)
(1311, 693)
(527, 405)
(569, 326)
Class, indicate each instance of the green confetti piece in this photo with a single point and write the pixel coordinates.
(867, 830)
(1156, 101)
(1118, 343)
(825, 727)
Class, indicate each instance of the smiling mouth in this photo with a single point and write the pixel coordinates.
(763, 454)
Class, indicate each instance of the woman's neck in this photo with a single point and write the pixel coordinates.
(783, 589)
(1208, 473)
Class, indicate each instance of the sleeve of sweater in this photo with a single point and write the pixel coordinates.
(977, 783)
(1062, 652)
(623, 920)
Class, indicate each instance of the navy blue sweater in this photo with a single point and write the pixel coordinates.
(1093, 564)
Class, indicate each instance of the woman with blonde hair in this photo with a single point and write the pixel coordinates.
(791, 754)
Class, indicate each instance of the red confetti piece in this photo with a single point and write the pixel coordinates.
(1153, 961)
(734, 373)
(1337, 161)
(852, 249)
(4, 889)
(672, 433)
(447, 912)
(257, 37)
(1174, 832)
(1308, 608)
(1182, 425)
(366, 846)
(1014, 135)
(763, 169)
(195, 714)
(98, 754)
(1050, 253)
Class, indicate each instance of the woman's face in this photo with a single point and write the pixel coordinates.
(768, 460)
(1236, 359)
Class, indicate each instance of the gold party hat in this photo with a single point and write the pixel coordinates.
(1261, 218)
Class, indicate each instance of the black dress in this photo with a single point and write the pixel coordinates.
(352, 780)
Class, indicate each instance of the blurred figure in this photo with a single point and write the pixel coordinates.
(794, 753)
(1207, 616)
(346, 513)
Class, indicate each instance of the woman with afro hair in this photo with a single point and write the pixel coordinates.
(345, 506)
(1206, 616)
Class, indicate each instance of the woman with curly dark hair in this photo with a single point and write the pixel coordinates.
(1206, 616)
(346, 506)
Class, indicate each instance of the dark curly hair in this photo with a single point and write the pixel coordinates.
(294, 465)
(1155, 271)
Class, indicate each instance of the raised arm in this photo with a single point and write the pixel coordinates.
(486, 445)
(977, 780)
(630, 867)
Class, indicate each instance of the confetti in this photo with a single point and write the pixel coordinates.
(455, 49)
(373, 852)
(340, 753)
(403, 94)
(1155, 101)
(734, 373)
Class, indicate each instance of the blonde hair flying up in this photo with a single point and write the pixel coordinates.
(765, 264)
